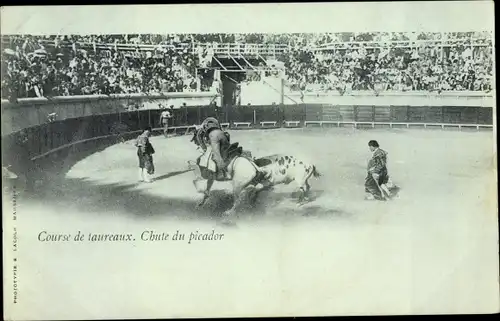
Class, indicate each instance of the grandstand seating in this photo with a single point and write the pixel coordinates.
(112, 64)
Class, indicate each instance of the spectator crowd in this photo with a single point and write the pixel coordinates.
(34, 66)
(463, 65)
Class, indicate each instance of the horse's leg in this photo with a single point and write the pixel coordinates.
(200, 177)
(241, 196)
(253, 195)
(242, 179)
(206, 192)
(245, 195)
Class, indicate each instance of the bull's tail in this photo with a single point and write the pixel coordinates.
(315, 172)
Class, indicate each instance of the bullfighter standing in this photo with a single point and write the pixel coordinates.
(145, 153)
(165, 116)
(377, 180)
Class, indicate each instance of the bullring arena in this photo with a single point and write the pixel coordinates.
(395, 249)
(418, 163)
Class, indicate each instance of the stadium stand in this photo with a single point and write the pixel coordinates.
(36, 66)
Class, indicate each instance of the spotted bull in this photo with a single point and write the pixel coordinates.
(284, 169)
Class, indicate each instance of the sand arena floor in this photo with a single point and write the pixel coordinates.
(336, 255)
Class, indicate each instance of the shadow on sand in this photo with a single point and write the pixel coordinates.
(111, 199)
(162, 177)
(87, 196)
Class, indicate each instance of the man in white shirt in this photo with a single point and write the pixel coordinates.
(164, 119)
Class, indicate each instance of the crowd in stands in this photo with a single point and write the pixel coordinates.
(100, 64)
(466, 65)
(34, 67)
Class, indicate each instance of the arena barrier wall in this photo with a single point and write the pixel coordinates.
(29, 112)
(31, 141)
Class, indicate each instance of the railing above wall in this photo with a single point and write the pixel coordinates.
(418, 98)
(273, 48)
(438, 43)
(410, 98)
(172, 95)
(265, 50)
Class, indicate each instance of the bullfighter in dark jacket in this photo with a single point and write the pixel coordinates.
(145, 153)
(378, 177)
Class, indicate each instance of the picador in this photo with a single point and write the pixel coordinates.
(210, 133)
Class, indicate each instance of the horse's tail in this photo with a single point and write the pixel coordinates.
(315, 172)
